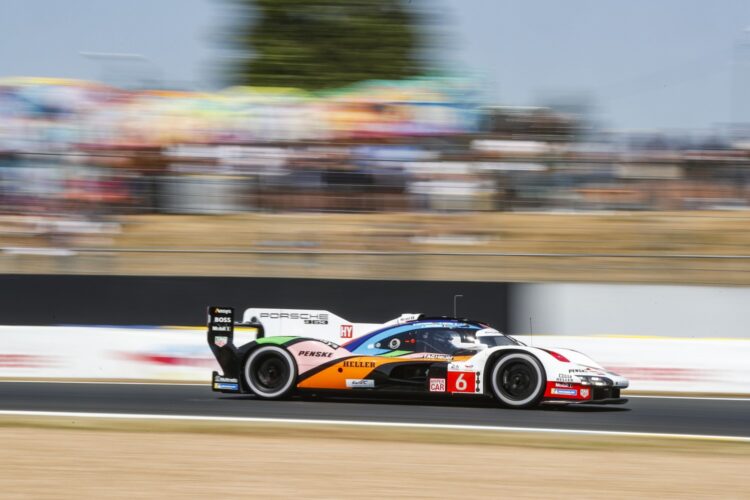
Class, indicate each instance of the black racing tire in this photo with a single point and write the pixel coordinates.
(518, 380)
(270, 372)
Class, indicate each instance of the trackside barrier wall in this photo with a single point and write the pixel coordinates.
(182, 300)
(182, 354)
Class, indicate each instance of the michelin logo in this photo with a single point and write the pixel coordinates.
(565, 392)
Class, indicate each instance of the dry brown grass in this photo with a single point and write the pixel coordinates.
(78, 459)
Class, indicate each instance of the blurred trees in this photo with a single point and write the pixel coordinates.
(319, 44)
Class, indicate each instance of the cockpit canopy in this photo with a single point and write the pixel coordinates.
(446, 337)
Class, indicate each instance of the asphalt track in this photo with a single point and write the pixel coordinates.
(720, 417)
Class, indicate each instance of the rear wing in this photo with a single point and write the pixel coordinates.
(221, 339)
(318, 324)
(268, 322)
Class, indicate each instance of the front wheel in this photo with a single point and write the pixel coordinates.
(270, 372)
(518, 380)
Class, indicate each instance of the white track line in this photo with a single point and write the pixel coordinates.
(358, 423)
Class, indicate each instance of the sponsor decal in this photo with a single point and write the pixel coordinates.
(459, 367)
(462, 382)
(587, 370)
(405, 318)
(316, 354)
(437, 385)
(221, 340)
(564, 377)
(226, 379)
(560, 384)
(443, 324)
(357, 383)
(307, 318)
(435, 356)
(222, 319)
(226, 387)
(347, 331)
(564, 392)
(585, 393)
(359, 364)
(221, 328)
(218, 310)
(394, 343)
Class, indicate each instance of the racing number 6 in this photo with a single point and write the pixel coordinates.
(462, 381)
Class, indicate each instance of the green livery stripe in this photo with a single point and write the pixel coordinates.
(393, 354)
(275, 340)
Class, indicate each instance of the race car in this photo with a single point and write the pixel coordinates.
(295, 350)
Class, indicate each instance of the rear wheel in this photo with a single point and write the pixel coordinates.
(270, 372)
(518, 380)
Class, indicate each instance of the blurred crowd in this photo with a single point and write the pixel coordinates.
(430, 144)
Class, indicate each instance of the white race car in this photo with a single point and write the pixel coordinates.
(294, 350)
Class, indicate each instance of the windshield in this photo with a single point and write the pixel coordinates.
(498, 340)
(489, 337)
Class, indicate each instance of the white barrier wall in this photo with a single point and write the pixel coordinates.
(660, 310)
(652, 364)
(105, 353)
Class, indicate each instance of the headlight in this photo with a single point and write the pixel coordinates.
(596, 380)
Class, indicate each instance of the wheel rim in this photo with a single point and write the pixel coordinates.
(269, 373)
(519, 380)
